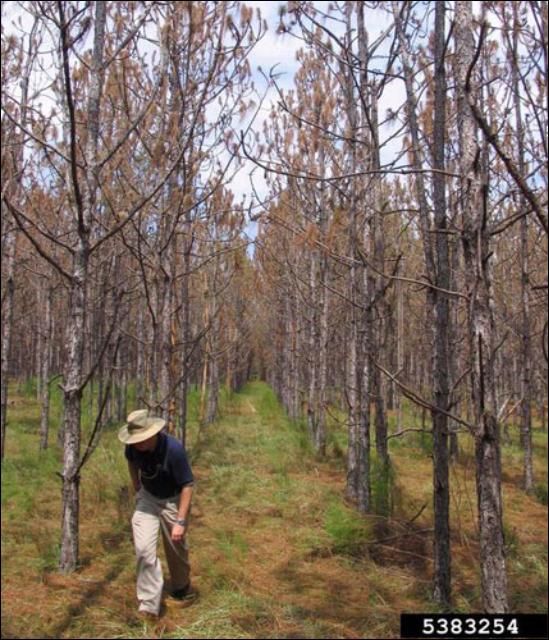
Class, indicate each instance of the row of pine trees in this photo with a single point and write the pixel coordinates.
(399, 249)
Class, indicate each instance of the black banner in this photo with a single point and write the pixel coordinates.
(474, 625)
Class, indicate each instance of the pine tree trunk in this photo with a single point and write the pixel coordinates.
(442, 557)
(378, 252)
(45, 370)
(7, 326)
(322, 348)
(367, 119)
(492, 544)
(165, 391)
(294, 369)
(38, 349)
(155, 340)
(287, 346)
(85, 209)
(72, 408)
(213, 365)
(364, 495)
(312, 348)
(320, 435)
(140, 369)
(213, 381)
(526, 355)
(453, 352)
(122, 368)
(476, 251)
(185, 332)
(352, 359)
(204, 388)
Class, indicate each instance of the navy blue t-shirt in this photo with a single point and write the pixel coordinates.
(164, 471)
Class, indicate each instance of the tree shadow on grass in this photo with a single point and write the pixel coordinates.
(87, 599)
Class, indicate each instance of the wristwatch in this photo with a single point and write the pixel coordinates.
(181, 522)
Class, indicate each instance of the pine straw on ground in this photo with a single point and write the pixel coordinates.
(265, 558)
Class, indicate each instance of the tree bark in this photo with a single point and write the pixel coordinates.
(72, 388)
(312, 328)
(7, 325)
(352, 353)
(526, 355)
(72, 394)
(213, 337)
(365, 345)
(45, 369)
(476, 251)
(324, 307)
(185, 330)
(441, 493)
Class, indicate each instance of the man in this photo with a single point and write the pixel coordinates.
(163, 481)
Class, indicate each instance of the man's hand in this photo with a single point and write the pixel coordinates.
(178, 533)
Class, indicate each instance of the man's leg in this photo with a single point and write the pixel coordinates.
(177, 553)
(145, 526)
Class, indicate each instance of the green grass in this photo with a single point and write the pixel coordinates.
(25, 469)
(527, 576)
(22, 478)
(232, 544)
(348, 530)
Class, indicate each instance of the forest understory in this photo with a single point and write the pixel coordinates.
(276, 551)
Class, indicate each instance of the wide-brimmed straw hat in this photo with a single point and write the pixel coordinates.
(140, 426)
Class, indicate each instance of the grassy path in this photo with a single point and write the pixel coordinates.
(275, 551)
(261, 522)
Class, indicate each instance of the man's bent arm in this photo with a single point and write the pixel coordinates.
(134, 475)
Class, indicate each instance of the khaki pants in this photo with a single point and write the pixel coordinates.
(151, 516)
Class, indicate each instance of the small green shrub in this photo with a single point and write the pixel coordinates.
(382, 478)
(347, 529)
